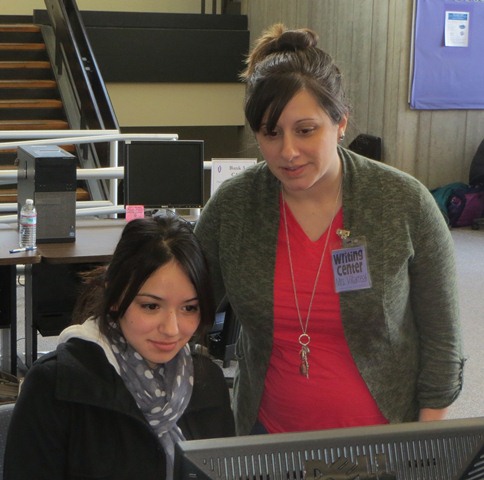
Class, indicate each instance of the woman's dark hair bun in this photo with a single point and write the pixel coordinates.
(292, 40)
(278, 39)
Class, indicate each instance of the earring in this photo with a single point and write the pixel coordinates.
(342, 137)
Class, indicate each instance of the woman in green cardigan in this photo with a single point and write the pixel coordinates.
(339, 269)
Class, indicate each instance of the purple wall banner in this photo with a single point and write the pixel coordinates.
(448, 55)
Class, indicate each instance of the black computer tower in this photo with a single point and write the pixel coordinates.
(47, 174)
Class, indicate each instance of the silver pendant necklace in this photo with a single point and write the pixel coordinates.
(304, 339)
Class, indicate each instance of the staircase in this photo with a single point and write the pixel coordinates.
(29, 97)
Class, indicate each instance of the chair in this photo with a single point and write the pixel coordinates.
(6, 410)
(476, 178)
(367, 145)
(476, 172)
(223, 337)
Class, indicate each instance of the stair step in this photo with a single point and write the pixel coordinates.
(19, 27)
(33, 125)
(28, 89)
(31, 109)
(22, 46)
(23, 51)
(28, 84)
(8, 156)
(33, 94)
(28, 104)
(40, 112)
(71, 148)
(9, 195)
(35, 65)
(40, 70)
(11, 153)
(16, 32)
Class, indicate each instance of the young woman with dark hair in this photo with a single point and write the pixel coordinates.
(123, 386)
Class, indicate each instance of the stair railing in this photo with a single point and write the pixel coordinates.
(73, 51)
(82, 88)
(223, 5)
(78, 137)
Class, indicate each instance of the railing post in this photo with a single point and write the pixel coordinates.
(214, 7)
(113, 162)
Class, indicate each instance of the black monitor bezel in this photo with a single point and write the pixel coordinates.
(196, 188)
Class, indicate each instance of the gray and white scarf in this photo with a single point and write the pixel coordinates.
(162, 393)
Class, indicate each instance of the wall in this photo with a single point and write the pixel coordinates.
(25, 7)
(166, 104)
(371, 40)
(211, 112)
(158, 104)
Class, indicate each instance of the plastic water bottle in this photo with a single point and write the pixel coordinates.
(28, 225)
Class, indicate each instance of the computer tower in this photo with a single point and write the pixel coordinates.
(47, 174)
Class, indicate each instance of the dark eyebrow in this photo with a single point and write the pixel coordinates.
(307, 119)
(155, 297)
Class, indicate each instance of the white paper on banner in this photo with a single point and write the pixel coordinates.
(225, 168)
(456, 29)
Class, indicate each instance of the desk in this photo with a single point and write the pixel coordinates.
(95, 243)
(8, 293)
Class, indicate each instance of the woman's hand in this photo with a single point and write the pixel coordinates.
(429, 414)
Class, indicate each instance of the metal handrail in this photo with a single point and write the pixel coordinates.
(39, 134)
(86, 137)
(113, 172)
(74, 52)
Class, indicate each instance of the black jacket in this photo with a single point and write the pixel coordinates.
(75, 419)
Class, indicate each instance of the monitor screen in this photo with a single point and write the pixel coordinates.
(167, 173)
(440, 450)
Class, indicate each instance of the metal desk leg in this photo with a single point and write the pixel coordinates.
(8, 318)
(5, 348)
(30, 330)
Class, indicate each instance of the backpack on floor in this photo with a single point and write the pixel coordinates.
(442, 196)
(466, 205)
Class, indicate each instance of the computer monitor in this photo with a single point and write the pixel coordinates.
(165, 173)
(440, 450)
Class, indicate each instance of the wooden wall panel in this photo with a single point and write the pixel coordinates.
(371, 42)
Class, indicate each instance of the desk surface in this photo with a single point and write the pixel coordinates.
(9, 240)
(95, 243)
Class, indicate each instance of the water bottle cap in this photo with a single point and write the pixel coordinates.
(29, 201)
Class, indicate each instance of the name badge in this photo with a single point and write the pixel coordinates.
(350, 268)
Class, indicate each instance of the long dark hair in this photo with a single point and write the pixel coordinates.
(145, 245)
(281, 63)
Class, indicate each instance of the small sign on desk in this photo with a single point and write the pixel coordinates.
(225, 168)
(134, 211)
